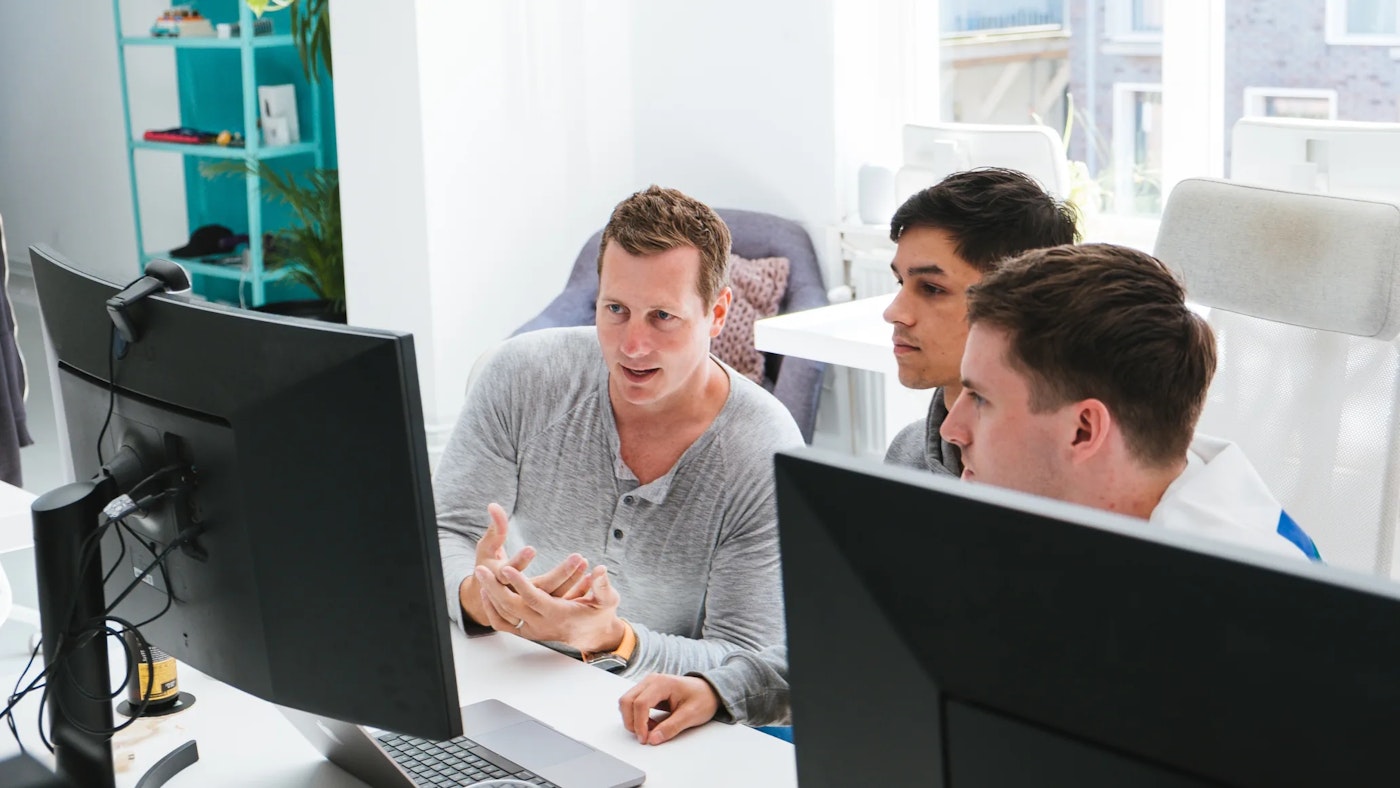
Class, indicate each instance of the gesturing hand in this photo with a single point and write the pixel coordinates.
(691, 701)
(584, 615)
(491, 556)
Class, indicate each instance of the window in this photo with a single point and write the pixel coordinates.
(1363, 22)
(1133, 20)
(1137, 148)
(973, 17)
(1314, 104)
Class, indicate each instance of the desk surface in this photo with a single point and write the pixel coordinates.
(245, 741)
(853, 334)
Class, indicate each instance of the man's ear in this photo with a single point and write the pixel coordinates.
(720, 311)
(1092, 424)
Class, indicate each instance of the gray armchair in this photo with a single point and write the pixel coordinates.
(796, 382)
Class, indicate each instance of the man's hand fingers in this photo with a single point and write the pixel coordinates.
(624, 708)
(604, 595)
(686, 717)
(533, 597)
(521, 559)
(500, 602)
(581, 587)
(637, 703)
(493, 542)
(561, 577)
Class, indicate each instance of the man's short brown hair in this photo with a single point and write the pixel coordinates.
(657, 220)
(1109, 323)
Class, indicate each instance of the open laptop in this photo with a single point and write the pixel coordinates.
(498, 741)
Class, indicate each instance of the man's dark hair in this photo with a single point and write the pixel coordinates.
(1104, 322)
(992, 214)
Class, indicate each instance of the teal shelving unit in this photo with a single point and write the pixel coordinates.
(217, 80)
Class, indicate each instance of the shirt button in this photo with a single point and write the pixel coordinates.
(617, 533)
(629, 500)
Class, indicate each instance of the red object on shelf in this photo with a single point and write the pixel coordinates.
(188, 136)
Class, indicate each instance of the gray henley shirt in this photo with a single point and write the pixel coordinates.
(693, 554)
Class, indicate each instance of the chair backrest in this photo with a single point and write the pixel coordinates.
(754, 235)
(1305, 304)
(936, 150)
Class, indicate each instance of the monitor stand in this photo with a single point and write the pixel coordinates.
(64, 519)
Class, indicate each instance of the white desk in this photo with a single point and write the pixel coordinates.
(855, 335)
(245, 741)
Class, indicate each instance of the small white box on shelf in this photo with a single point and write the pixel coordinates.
(277, 105)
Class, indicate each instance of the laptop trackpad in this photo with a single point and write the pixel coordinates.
(532, 743)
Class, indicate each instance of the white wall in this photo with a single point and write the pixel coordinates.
(526, 143)
(885, 74)
(379, 150)
(735, 105)
(63, 166)
(530, 121)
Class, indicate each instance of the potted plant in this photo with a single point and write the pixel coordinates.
(312, 248)
(311, 30)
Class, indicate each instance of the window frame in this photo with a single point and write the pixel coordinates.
(1255, 97)
(1118, 25)
(1124, 130)
(1046, 29)
(1335, 30)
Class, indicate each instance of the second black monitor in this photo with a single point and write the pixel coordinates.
(944, 633)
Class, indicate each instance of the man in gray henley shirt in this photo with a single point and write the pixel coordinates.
(627, 448)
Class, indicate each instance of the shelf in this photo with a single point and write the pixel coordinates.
(206, 42)
(223, 152)
(234, 272)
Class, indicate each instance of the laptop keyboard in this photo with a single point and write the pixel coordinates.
(454, 762)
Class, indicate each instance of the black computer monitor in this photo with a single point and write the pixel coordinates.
(945, 633)
(315, 580)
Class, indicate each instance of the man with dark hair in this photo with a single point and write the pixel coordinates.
(1083, 379)
(628, 445)
(948, 237)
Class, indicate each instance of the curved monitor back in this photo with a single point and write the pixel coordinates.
(316, 581)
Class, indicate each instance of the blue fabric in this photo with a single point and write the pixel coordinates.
(1292, 532)
(783, 732)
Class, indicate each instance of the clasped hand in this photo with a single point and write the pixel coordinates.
(568, 604)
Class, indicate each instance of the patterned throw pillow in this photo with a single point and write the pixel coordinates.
(758, 287)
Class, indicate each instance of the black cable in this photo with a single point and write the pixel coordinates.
(111, 388)
(116, 564)
(81, 636)
(17, 695)
(71, 640)
(175, 543)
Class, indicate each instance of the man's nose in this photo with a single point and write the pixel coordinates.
(635, 339)
(954, 427)
(895, 312)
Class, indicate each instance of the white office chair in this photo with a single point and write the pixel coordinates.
(934, 151)
(1305, 303)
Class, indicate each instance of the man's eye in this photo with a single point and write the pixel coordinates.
(663, 315)
(616, 309)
